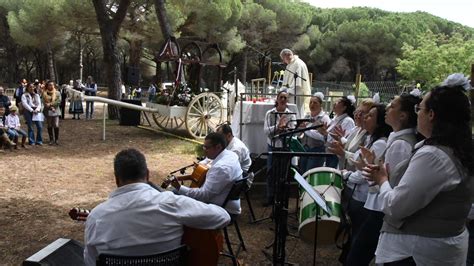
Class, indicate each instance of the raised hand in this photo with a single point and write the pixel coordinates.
(324, 129)
(359, 163)
(367, 155)
(337, 148)
(376, 172)
(338, 132)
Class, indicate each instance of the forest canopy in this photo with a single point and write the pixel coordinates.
(61, 39)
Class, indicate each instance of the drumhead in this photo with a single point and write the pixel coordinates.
(322, 169)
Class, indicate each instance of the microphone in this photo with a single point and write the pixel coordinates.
(310, 120)
(284, 113)
(278, 63)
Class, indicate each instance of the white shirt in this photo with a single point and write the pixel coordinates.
(345, 121)
(430, 172)
(397, 151)
(139, 220)
(269, 127)
(239, 148)
(321, 118)
(12, 121)
(356, 178)
(220, 178)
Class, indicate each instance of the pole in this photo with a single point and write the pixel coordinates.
(103, 122)
(357, 84)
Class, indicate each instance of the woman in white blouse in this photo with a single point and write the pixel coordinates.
(401, 116)
(344, 147)
(358, 187)
(344, 110)
(276, 122)
(312, 140)
(427, 201)
(33, 113)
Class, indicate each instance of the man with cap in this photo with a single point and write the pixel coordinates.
(296, 79)
(313, 140)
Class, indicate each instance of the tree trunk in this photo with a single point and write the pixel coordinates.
(243, 67)
(165, 26)
(135, 52)
(81, 53)
(109, 28)
(49, 52)
(163, 19)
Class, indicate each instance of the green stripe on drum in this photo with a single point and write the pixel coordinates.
(324, 178)
(309, 210)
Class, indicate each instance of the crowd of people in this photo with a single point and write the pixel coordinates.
(37, 103)
(407, 169)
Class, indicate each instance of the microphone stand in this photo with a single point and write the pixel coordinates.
(280, 168)
(228, 103)
(295, 76)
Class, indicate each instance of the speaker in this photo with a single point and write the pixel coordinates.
(63, 251)
(133, 75)
(130, 117)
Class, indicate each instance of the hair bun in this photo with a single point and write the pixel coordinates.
(457, 80)
(416, 92)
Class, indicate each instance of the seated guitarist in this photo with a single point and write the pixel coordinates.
(139, 220)
(225, 170)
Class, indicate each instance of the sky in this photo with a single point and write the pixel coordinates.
(461, 11)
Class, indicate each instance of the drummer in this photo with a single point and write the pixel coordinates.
(312, 140)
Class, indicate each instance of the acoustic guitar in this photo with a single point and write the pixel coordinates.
(197, 177)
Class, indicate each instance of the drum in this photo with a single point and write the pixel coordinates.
(328, 182)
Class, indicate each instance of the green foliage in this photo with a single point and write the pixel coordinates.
(434, 57)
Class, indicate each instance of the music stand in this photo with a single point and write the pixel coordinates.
(320, 204)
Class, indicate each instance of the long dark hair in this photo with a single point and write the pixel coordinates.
(407, 105)
(382, 130)
(350, 108)
(452, 122)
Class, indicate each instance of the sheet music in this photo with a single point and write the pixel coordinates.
(320, 201)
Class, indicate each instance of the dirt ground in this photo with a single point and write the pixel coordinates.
(41, 184)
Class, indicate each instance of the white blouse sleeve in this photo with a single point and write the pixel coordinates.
(429, 172)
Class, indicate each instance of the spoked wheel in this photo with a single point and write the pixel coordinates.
(205, 113)
(167, 122)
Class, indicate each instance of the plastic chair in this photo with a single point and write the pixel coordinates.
(175, 257)
(234, 194)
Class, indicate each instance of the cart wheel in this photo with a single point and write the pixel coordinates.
(204, 114)
(166, 122)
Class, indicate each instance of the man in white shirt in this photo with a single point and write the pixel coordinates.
(221, 176)
(139, 220)
(237, 146)
(296, 86)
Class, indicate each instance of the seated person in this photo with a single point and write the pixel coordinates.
(139, 220)
(220, 178)
(4, 137)
(12, 122)
(237, 146)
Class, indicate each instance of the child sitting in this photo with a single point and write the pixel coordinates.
(4, 137)
(14, 128)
